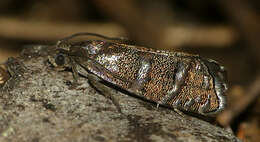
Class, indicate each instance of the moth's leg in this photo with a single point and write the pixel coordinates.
(96, 82)
(157, 106)
(75, 72)
(179, 112)
(106, 91)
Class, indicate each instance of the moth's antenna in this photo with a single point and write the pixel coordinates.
(117, 39)
(95, 35)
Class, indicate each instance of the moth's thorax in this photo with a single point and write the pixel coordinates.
(93, 47)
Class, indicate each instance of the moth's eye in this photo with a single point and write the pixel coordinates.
(60, 59)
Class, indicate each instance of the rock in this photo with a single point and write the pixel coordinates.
(37, 104)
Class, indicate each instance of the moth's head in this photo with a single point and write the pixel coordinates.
(59, 57)
(59, 60)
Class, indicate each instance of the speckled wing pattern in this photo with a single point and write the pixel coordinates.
(175, 79)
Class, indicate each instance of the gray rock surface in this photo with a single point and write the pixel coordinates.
(37, 105)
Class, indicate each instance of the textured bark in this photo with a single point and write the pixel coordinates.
(37, 104)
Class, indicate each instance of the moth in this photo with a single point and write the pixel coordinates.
(177, 80)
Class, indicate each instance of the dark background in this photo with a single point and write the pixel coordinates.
(226, 31)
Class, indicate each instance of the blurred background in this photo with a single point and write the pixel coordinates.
(226, 31)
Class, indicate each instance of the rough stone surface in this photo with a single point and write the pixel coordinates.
(37, 105)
